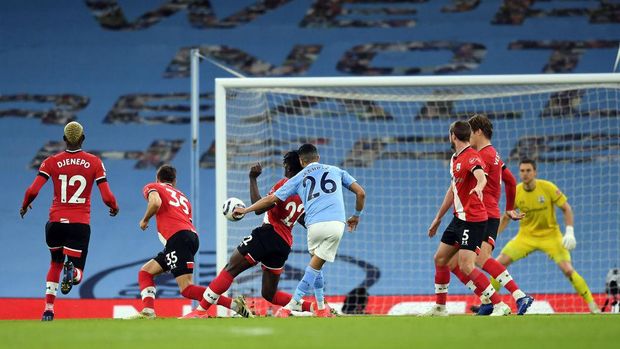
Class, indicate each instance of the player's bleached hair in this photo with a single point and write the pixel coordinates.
(308, 153)
(528, 161)
(73, 132)
(166, 174)
(461, 130)
(481, 122)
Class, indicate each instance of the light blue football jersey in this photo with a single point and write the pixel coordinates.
(320, 188)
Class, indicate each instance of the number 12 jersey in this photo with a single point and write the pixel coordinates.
(73, 174)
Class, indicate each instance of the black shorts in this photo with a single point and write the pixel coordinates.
(178, 255)
(264, 245)
(490, 231)
(70, 239)
(464, 235)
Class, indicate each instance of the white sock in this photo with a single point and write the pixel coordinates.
(518, 294)
(234, 306)
(210, 296)
(294, 305)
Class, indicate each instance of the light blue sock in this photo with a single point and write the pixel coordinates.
(306, 284)
(319, 290)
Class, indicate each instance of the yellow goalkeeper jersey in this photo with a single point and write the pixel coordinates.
(539, 208)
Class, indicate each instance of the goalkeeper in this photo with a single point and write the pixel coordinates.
(539, 229)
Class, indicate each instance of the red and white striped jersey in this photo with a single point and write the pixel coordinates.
(467, 207)
(493, 190)
(175, 212)
(73, 173)
(284, 215)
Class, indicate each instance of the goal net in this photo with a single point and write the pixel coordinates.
(391, 134)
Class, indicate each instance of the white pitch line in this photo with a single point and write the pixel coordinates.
(251, 331)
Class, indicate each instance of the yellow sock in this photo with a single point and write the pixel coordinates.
(581, 287)
(497, 286)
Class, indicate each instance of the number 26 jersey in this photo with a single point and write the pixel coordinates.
(320, 188)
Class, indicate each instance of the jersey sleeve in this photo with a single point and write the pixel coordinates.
(149, 188)
(45, 169)
(289, 188)
(474, 163)
(277, 186)
(100, 175)
(347, 179)
(557, 197)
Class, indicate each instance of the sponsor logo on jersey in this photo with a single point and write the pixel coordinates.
(541, 199)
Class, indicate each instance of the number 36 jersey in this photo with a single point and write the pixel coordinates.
(175, 212)
(73, 174)
(320, 188)
(284, 215)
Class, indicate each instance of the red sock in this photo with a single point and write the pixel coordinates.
(53, 276)
(282, 298)
(465, 279)
(145, 280)
(496, 269)
(219, 285)
(442, 279)
(193, 292)
(225, 302)
(483, 283)
(460, 275)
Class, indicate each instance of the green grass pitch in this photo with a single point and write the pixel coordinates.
(524, 332)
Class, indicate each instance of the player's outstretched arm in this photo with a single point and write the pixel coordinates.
(261, 204)
(360, 200)
(151, 209)
(107, 197)
(510, 188)
(445, 206)
(31, 194)
(568, 240)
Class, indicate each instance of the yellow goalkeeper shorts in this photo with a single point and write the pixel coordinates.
(521, 247)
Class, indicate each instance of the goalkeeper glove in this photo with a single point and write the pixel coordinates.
(568, 240)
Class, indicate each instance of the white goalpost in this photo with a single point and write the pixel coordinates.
(390, 133)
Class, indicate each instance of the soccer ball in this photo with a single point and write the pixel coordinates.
(229, 206)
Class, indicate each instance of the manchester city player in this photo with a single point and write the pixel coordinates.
(320, 188)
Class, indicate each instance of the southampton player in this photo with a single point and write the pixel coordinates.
(67, 233)
(465, 233)
(539, 229)
(173, 213)
(269, 244)
(320, 188)
(496, 170)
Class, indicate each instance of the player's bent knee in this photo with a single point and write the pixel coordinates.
(567, 269)
(504, 260)
(440, 260)
(268, 293)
